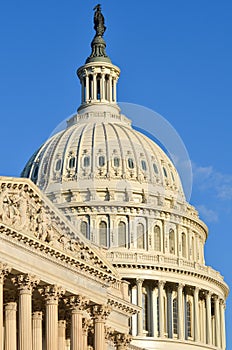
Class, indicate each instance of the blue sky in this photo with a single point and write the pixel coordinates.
(175, 58)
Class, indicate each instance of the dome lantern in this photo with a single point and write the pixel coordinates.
(98, 77)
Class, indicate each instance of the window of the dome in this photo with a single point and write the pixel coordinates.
(58, 164)
(101, 161)
(86, 161)
(35, 172)
(116, 162)
(140, 236)
(45, 168)
(131, 163)
(103, 233)
(144, 165)
(85, 229)
(175, 316)
(71, 163)
(122, 234)
(165, 172)
(157, 238)
(155, 168)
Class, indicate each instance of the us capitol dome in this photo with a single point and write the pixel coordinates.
(122, 192)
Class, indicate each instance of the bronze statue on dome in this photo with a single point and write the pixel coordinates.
(99, 21)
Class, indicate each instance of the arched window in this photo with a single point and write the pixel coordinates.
(175, 316)
(188, 319)
(172, 242)
(122, 234)
(140, 236)
(103, 233)
(184, 248)
(85, 229)
(157, 238)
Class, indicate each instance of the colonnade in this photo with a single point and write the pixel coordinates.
(98, 87)
(178, 311)
(35, 316)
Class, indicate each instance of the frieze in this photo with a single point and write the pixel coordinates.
(24, 212)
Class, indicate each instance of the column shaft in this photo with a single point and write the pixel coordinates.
(140, 303)
(196, 314)
(208, 319)
(52, 326)
(161, 308)
(61, 335)
(154, 313)
(25, 320)
(217, 322)
(94, 86)
(99, 335)
(37, 330)
(86, 88)
(110, 88)
(10, 326)
(223, 330)
(180, 312)
(76, 330)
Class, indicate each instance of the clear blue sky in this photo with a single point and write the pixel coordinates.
(175, 58)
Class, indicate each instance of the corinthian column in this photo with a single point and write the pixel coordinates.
(217, 321)
(196, 314)
(223, 330)
(122, 341)
(52, 295)
(77, 304)
(4, 270)
(180, 312)
(99, 314)
(208, 319)
(85, 327)
(161, 308)
(61, 335)
(37, 330)
(25, 284)
(10, 326)
(139, 283)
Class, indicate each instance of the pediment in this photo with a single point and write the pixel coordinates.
(30, 217)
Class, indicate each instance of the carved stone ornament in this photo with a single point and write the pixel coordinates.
(100, 313)
(25, 282)
(122, 340)
(52, 293)
(76, 303)
(4, 271)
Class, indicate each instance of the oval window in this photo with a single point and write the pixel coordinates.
(101, 161)
(155, 168)
(116, 162)
(71, 162)
(165, 172)
(58, 165)
(131, 164)
(86, 161)
(144, 165)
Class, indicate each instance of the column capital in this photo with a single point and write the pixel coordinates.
(109, 333)
(100, 312)
(222, 303)
(122, 340)
(196, 290)
(215, 298)
(139, 281)
(52, 293)
(37, 315)
(76, 303)
(25, 283)
(161, 283)
(4, 270)
(86, 324)
(11, 306)
(181, 286)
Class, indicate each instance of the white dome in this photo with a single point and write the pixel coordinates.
(101, 152)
